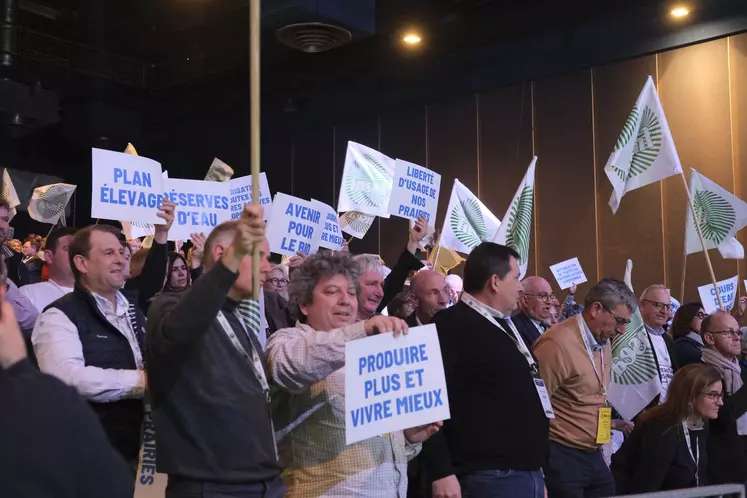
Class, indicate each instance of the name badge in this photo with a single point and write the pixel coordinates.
(604, 425)
(539, 384)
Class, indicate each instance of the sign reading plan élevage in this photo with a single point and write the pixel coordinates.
(393, 383)
(414, 192)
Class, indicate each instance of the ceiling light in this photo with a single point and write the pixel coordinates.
(680, 12)
(412, 38)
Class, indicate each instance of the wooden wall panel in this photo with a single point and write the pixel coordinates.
(738, 80)
(635, 231)
(694, 89)
(505, 149)
(565, 174)
(364, 132)
(452, 146)
(402, 136)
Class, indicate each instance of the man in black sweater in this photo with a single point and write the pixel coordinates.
(210, 397)
(497, 438)
(52, 444)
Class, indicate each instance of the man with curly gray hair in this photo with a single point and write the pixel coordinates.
(306, 365)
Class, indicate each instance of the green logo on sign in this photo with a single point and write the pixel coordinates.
(368, 184)
(633, 359)
(467, 223)
(715, 215)
(647, 142)
(520, 223)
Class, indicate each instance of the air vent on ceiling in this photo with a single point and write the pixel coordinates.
(313, 37)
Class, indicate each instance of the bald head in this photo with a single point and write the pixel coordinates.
(429, 294)
(537, 299)
(720, 331)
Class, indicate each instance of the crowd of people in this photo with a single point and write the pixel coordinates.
(248, 396)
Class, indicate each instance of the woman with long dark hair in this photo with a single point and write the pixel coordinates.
(688, 344)
(667, 448)
(177, 275)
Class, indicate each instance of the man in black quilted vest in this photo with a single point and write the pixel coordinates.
(92, 338)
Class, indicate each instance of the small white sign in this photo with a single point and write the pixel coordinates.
(568, 273)
(726, 288)
(414, 192)
(125, 187)
(393, 383)
(200, 206)
(356, 224)
(293, 225)
(330, 235)
(241, 194)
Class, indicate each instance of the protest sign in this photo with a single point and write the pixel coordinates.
(200, 206)
(148, 482)
(414, 192)
(366, 181)
(728, 290)
(568, 273)
(393, 383)
(356, 224)
(330, 235)
(125, 187)
(293, 225)
(241, 194)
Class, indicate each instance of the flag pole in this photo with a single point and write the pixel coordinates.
(684, 274)
(702, 241)
(254, 81)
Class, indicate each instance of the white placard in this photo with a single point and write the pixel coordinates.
(200, 206)
(241, 194)
(414, 192)
(330, 235)
(293, 225)
(568, 273)
(356, 224)
(393, 383)
(728, 290)
(125, 187)
(148, 482)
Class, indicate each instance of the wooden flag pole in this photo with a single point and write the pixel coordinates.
(254, 81)
(684, 274)
(702, 240)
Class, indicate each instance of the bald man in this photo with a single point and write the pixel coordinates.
(536, 309)
(428, 295)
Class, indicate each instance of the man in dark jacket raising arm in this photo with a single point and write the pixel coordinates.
(210, 400)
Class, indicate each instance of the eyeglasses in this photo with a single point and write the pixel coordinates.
(618, 319)
(658, 305)
(713, 395)
(545, 297)
(730, 333)
(278, 282)
(701, 315)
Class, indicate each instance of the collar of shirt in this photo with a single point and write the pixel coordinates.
(417, 320)
(7, 251)
(655, 332)
(106, 307)
(593, 344)
(480, 305)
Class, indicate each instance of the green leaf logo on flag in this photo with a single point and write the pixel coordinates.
(647, 145)
(519, 225)
(368, 186)
(467, 223)
(715, 216)
(633, 361)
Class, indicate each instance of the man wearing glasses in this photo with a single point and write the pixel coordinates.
(656, 305)
(575, 360)
(536, 309)
(727, 452)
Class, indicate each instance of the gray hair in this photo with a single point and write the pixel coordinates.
(370, 262)
(320, 266)
(651, 288)
(283, 269)
(611, 292)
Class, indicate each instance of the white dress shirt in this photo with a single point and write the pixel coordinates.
(60, 353)
(43, 294)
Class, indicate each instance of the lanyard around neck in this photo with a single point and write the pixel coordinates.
(696, 455)
(582, 327)
(254, 360)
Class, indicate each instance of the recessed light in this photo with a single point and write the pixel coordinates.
(412, 38)
(680, 12)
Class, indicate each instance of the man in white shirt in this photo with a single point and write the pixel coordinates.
(92, 338)
(655, 305)
(61, 279)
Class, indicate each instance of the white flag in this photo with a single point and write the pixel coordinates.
(516, 229)
(720, 216)
(219, 172)
(634, 380)
(9, 194)
(468, 222)
(48, 203)
(366, 181)
(356, 224)
(645, 151)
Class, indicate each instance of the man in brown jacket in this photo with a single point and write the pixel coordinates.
(574, 360)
